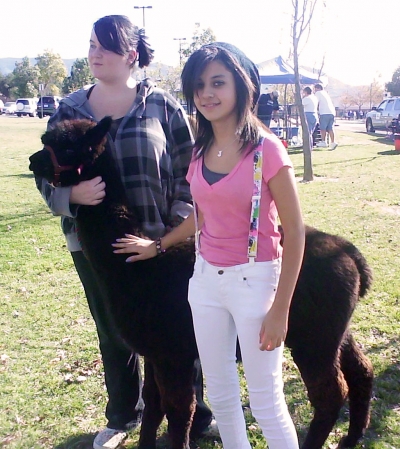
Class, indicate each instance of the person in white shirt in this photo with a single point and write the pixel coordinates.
(310, 104)
(327, 114)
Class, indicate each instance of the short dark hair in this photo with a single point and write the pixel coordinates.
(246, 121)
(318, 87)
(308, 90)
(118, 34)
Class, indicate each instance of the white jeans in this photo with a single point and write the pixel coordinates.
(231, 302)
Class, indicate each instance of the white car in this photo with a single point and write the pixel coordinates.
(26, 106)
(381, 117)
(9, 108)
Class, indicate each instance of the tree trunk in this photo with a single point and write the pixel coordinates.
(308, 174)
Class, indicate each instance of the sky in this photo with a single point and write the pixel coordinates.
(357, 39)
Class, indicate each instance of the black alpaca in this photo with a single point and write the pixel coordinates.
(148, 301)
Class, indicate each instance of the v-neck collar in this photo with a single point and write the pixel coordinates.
(226, 178)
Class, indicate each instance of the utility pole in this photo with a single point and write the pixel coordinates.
(144, 25)
(143, 8)
(180, 39)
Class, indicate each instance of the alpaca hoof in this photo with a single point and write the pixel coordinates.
(348, 442)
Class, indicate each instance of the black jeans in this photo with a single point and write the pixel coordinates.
(121, 368)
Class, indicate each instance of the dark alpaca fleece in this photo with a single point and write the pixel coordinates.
(148, 303)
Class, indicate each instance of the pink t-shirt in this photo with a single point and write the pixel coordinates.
(226, 207)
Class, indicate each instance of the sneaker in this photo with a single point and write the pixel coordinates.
(322, 145)
(333, 146)
(211, 431)
(109, 438)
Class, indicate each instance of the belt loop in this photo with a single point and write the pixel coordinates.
(252, 261)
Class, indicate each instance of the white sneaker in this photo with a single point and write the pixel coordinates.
(322, 145)
(333, 146)
(109, 438)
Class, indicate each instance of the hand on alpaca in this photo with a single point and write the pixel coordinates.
(142, 248)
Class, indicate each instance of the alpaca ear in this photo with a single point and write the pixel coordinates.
(95, 135)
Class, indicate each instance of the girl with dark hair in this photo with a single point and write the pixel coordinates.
(241, 179)
(151, 143)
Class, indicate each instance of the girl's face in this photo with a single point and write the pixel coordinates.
(215, 97)
(106, 65)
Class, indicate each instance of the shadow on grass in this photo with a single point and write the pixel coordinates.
(81, 441)
(389, 153)
(19, 175)
(30, 218)
(385, 141)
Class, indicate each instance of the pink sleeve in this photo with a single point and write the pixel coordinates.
(275, 157)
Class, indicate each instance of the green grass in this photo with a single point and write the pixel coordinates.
(52, 392)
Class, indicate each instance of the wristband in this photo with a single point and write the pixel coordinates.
(158, 246)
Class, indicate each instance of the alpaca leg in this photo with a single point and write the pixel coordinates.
(152, 414)
(327, 391)
(358, 372)
(175, 380)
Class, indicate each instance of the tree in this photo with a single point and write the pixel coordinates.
(200, 38)
(394, 86)
(303, 11)
(375, 93)
(168, 78)
(52, 72)
(5, 85)
(359, 96)
(346, 100)
(24, 80)
(80, 76)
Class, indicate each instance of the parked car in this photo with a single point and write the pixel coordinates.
(26, 106)
(1, 106)
(381, 117)
(9, 108)
(50, 105)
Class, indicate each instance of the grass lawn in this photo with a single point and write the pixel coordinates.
(52, 391)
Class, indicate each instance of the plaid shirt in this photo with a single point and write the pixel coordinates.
(152, 149)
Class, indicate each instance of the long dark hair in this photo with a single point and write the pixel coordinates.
(119, 35)
(247, 123)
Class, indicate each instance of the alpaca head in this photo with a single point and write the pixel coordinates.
(69, 148)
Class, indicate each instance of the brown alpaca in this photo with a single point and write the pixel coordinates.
(148, 301)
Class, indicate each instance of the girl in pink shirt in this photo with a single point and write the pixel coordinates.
(235, 292)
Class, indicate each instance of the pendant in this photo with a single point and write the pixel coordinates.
(219, 153)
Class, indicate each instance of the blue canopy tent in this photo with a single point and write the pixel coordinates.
(278, 71)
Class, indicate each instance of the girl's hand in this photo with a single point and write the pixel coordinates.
(273, 330)
(143, 248)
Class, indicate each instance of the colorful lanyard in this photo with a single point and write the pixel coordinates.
(255, 209)
(255, 206)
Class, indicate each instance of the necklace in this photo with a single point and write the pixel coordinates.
(219, 153)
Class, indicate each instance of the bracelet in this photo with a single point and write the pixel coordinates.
(158, 246)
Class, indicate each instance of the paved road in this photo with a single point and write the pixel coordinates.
(350, 125)
(355, 125)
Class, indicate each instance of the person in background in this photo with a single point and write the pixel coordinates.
(327, 114)
(151, 142)
(243, 280)
(310, 104)
(268, 107)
